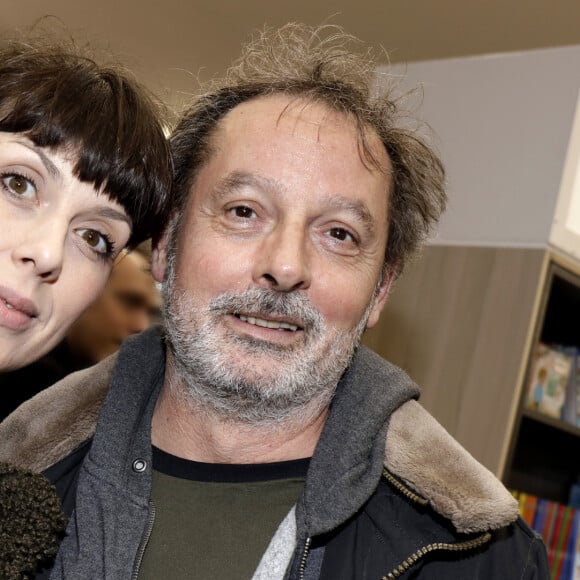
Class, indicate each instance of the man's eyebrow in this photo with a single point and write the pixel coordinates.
(354, 206)
(240, 179)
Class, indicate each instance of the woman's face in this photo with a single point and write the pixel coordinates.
(58, 240)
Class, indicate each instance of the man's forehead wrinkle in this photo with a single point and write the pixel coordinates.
(321, 123)
(327, 116)
(297, 109)
(284, 111)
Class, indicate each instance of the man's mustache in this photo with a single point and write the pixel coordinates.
(291, 306)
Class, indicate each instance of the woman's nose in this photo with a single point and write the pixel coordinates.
(42, 249)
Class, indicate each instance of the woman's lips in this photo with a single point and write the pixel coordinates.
(16, 312)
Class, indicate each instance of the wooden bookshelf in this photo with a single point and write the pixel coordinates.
(544, 453)
(545, 457)
(551, 422)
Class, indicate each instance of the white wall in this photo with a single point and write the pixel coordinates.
(502, 124)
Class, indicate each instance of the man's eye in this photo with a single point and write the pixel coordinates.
(242, 211)
(341, 235)
(100, 243)
(18, 185)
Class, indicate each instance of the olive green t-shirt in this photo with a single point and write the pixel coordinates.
(215, 520)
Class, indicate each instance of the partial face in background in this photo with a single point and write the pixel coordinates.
(58, 240)
(126, 306)
(279, 256)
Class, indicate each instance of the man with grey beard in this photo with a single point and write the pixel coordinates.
(255, 438)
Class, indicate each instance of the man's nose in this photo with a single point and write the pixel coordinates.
(42, 249)
(283, 262)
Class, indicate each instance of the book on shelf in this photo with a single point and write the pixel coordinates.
(550, 382)
(571, 408)
(572, 568)
(560, 539)
(528, 505)
(559, 526)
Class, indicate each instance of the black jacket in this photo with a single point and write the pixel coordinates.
(388, 494)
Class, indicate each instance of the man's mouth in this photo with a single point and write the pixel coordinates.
(276, 325)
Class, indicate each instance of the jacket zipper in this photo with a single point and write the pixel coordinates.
(302, 567)
(404, 566)
(416, 556)
(403, 489)
(144, 541)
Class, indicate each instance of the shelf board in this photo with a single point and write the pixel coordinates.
(551, 422)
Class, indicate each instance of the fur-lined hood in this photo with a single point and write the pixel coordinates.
(418, 451)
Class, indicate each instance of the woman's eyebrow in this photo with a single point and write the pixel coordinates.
(112, 213)
(105, 212)
(46, 161)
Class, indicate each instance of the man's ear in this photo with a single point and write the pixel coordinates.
(381, 295)
(159, 253)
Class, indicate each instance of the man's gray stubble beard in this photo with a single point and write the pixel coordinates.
(239, 391)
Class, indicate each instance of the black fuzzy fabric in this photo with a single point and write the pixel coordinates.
(31, 523)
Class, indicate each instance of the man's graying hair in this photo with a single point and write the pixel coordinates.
(322, 65)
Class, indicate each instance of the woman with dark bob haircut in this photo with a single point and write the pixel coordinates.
(84, 171)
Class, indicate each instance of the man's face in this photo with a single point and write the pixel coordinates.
(279, 254)
(126, 306)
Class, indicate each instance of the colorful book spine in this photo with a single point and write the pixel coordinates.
(542, 509)
(561, 542)
(552, 541)
(559, 526)
(567, 570)
(550, 523)
(527, 503)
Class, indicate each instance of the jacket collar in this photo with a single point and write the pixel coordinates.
(423, 455)
(374, 423)
(349, 456)
(55, 422)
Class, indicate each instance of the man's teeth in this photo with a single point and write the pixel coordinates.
(268, 323)
(8, 305)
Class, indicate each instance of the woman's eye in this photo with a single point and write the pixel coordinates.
(341, 235)
(242, 211)
(19, 185)
(98, 242)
